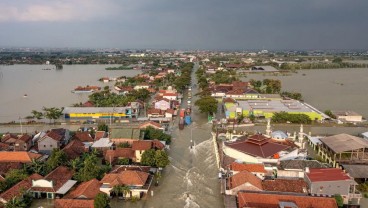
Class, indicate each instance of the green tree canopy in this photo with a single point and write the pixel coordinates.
(101, 201)
(148, 158)
(57, 158)
(151, 133)
(207, 105)
(161, 159)
(52, 113)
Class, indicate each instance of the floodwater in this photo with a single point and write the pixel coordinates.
(190, 181)
(327, 89)
(49, 88)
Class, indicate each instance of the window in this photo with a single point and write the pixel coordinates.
(44, 145)
(50, 145)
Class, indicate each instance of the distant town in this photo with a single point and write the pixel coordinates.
(120, 147)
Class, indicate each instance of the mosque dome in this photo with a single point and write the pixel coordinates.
(279, 135)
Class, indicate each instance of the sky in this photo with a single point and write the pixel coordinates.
(185, 24)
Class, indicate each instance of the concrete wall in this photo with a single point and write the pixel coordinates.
(46, 145)
(239, 155)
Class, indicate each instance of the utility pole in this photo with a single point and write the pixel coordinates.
(21, 127)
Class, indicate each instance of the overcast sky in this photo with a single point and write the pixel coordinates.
(185, 24)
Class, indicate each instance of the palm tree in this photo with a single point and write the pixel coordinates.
(117, 190)
(126, 190)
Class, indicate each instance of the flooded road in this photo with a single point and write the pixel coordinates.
(190, 181)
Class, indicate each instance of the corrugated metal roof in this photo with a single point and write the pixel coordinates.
(357, 171)
(68, 110)
(344, 142)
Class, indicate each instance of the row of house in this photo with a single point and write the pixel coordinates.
(275, 165)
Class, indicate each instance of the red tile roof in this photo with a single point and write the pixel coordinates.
(150, 123)
(284, 185)
(83, 136)
(53, 135)
(6, 166)
(25, 137)
(141, 145)
(99, 135)
(327, 174)
(88, 104)
(74, 149)
(59, 176)
(21, 156)
(170, 94)
(86, 190)
(242, 178)
(258, 146)
(19, 187)
(128, 177)
(155, 111)
(111, 155)
(263, 200)
(171, 111)
(254, 168)
(74, 203)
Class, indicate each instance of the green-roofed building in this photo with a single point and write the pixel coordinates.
(124, 134)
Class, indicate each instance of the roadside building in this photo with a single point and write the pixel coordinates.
(85, 113)
(277, 200)
(348, 116)
(331, 181)
(343, 149)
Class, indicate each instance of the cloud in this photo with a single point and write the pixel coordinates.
(54, 11)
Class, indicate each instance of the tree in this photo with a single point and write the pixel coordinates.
(148, 158)
(124, 161)
(126, 190)
(14, 176)
(339, 200)
(124, 145)
(330, 114)
(207, 105)
(36, 114)
(117, 190)
(57, 158)
(161, 159)
(36, 166)
(151, 133)
(101, 201)
(89, 170)
(102, 127)
(53, 113)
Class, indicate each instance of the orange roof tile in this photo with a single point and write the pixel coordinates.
(242, 178)
(74, 203)
(141, 145)
(86, 190)
(128, 177)
(254, 168)
(21, 156)
(83, 136)
(263, 200)
(285, 185)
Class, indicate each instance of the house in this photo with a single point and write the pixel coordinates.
(256, 169)
(169, 113)
(162, 104)
(123, 90)
(102, 144)
(84, 137)
(113, 156)
(170, 96)
(16, 160)
(155, 113)
(139, 182)
(142, 86)
(296, 168)
(18, 189)
(24, 143)
(347, 116)
(122, 135)
(142, 145)
(9, 140)
(57, 183)
(242, 181)
(82, 196)
(255, 149)
(84, 113)
(331, 181)
(99, 135)
(342, 148)
(247, 181)
(49, 142)
(152, 124)
(272, 200)
(74, 149)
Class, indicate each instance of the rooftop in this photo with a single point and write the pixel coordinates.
(327, 174)
(125, 133)
(21, 156)
(274, 105)
(258, 146)
(265, 200)
(258, 168)
(344, 142)
(86, 190)
(69, 110)
(357, 171)
(128, 177)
